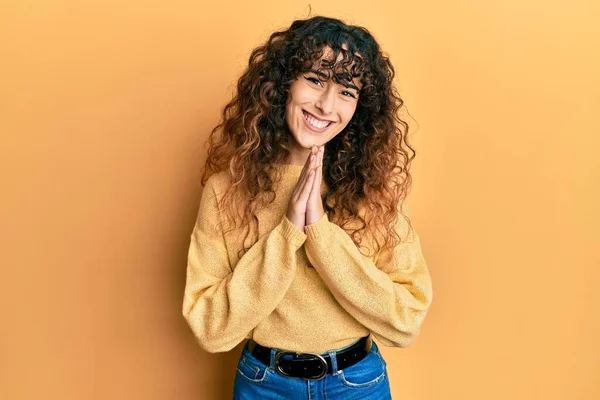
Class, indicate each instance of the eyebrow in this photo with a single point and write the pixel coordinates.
(324, 76)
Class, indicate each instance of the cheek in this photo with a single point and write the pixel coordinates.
(348, 113)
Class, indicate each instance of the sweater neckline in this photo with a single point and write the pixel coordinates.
(289, 174)
(290, 167)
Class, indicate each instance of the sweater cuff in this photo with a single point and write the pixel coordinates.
(318, 228)
(291, 232)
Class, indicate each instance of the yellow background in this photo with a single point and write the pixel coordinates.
(105, 108)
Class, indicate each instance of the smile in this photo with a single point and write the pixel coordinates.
(315, 124)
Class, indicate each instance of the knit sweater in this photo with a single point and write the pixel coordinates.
(308, 291)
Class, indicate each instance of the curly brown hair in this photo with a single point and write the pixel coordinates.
(366, 166)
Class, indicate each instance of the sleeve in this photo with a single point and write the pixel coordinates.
(223, 304)
(390, 298)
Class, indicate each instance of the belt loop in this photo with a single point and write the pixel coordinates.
(333, 358)
(272, 358)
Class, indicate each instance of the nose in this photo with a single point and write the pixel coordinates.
(326, 101)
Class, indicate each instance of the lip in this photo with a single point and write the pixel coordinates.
(312, 128)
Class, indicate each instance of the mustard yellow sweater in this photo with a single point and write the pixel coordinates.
(305, 292)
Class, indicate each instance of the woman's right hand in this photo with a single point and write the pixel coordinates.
(296, 212)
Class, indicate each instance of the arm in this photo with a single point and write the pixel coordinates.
(391, 304)
(223, 306)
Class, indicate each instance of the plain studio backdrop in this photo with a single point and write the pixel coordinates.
(105, 107)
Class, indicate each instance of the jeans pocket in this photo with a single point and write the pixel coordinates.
(251, 369)
(366, 373)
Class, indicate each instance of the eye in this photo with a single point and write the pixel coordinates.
(313, 80)
(349, 93)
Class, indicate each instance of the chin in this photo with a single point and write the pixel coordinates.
(308, 141)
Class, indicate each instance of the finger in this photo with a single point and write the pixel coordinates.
(315, 190)
(306, 189)
(305, 168)
(310, 162)
(318, 178)
(319, 174)
(311, 167)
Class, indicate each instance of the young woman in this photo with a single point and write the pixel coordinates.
(302, 244)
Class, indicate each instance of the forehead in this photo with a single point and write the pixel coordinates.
(327, 58)
(325, 63)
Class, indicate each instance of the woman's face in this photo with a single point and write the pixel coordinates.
(317, 110)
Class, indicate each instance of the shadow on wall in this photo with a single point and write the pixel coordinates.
(212, 374)
(216, 372)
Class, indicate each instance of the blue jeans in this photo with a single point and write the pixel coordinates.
(367, 379)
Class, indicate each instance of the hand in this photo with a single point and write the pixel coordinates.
(314, 206)
(296, 212)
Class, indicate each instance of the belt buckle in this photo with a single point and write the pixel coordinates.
(318, 356)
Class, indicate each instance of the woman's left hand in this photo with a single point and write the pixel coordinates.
(314, 205)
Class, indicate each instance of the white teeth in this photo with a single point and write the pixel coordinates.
(317, 124)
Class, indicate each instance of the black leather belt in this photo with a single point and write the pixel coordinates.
(309, 365)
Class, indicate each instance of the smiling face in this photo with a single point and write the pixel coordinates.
(318, 109)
